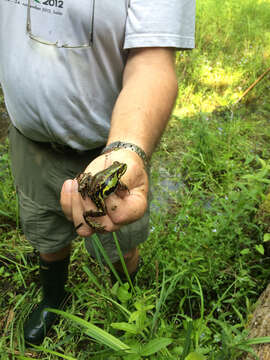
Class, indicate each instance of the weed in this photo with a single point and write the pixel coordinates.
(205, 262)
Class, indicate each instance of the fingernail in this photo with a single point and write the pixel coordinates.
(70, 186)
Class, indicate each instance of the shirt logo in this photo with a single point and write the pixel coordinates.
(53, 3)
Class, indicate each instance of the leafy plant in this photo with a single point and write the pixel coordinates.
(206, 259)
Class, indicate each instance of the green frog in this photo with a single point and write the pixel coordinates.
(98, 187)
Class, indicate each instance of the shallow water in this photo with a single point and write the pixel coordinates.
(164, 189)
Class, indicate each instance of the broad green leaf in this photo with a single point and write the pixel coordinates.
(132, 357)
(134, 316)
(154, 346)
(259, 340)
(123, 294)
(48, 351)
(260, 249)
(195, 356)
(130, 328)
(139, 305)
(178, 350)
(245, 252)
(266, 237)
(95, 332)
(263, 163)
(142, 306)
(115, 288)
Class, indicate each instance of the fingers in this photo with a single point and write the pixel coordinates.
(127, 209)
(122, 207)
(126, 206)
(79, 206)
(66, 198)
(74, 207)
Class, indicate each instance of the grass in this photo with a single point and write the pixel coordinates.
(206, 261)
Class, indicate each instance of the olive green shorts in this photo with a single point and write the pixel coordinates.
(39, 172)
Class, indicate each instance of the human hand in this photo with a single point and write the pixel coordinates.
(123, 207)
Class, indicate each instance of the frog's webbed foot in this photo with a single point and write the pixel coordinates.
(94, 225)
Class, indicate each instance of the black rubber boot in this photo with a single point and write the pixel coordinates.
(53, 277)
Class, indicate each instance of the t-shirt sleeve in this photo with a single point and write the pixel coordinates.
(160, 23)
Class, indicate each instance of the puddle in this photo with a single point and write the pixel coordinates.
(164, 189)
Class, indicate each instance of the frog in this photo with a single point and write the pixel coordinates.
(98, 187)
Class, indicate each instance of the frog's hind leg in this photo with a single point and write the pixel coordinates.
(94, 225)
(93, 213)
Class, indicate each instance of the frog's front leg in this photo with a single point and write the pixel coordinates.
(83, 180)
(122, 187)
(93, 213)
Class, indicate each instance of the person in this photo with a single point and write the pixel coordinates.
(79, 77)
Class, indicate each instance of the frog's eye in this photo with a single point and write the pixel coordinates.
(123, 169)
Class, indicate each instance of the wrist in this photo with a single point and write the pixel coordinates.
(118, 145)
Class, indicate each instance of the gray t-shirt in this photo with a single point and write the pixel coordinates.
(67, 95)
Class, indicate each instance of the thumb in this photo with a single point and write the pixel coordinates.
(67, 190)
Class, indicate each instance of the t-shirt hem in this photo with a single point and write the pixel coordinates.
(157, 40)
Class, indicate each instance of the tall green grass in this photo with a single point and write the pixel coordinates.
(205, 262)
(233, 49)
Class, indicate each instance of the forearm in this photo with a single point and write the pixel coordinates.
(145, 103)
(140, 116)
